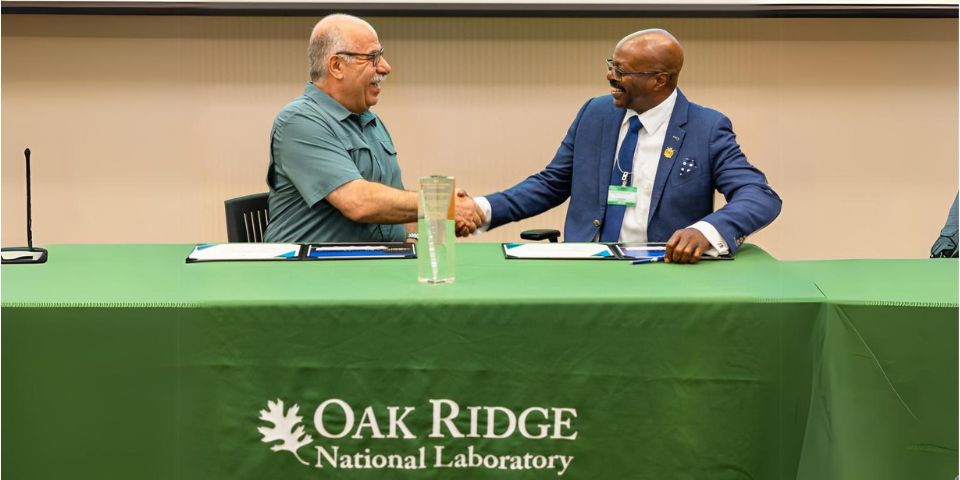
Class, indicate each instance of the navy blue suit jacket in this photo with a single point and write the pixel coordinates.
(698, 136)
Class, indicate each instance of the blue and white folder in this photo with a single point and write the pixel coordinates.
(641, 251)
(238, 252)
(245, 252)
(359, 251)
(559, 251)
(652, 252)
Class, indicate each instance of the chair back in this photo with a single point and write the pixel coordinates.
(247, 218)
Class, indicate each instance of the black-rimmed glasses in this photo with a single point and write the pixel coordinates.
(620, 73)
(373, 58)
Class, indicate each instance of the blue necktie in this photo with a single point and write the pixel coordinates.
(613, 219)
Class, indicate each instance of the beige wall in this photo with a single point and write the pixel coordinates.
(142, 126)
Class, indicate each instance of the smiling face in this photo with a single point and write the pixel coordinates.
(347, 62)
(655, 59)
(361, 82)
(636, 92)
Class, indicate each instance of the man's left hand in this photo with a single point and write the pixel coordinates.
(686, 246)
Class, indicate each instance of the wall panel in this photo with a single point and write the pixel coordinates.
(142, 126)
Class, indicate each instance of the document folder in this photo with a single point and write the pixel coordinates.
(636, 251)
(590, 251)
(360, 251)
(559, 251)
(244, 252)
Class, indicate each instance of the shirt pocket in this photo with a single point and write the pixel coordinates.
(389, 150)
(365, 161)
(389, 168)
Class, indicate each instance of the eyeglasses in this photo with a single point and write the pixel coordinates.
(620, 73)
(373, 58)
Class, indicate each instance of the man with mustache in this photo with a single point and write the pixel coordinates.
(333, 173)
(642, 165)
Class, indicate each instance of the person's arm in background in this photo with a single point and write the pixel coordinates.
(946, 244)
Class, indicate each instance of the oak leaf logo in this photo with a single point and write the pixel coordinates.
(286, 428)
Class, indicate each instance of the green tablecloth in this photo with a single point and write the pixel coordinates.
(121, 361)
(886, 372)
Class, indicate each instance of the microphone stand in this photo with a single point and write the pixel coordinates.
(27, 254)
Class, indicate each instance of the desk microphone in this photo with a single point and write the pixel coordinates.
(27, 254)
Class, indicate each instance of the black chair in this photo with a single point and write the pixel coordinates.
(247, 218)
(542, 234)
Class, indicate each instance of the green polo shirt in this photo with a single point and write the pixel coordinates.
(317, 145)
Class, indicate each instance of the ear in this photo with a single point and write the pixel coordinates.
(662, 81)
(335, 66)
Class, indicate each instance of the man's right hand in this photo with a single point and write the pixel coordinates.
(469, 215)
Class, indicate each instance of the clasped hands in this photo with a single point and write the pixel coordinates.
(469, 215)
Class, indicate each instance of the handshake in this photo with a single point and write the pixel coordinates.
(469, 216)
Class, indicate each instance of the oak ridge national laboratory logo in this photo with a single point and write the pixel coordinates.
(285, 431)
(286, 428)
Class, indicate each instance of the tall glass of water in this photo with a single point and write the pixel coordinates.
(436, 246)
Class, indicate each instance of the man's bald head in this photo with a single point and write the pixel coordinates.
(332, 34)
(644, 69)
(658, 48)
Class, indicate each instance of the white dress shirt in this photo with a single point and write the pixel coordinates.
(646, 158)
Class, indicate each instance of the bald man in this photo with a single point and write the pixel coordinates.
(642, 164)
(333, 172)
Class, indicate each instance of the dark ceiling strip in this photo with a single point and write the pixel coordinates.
(609, 10)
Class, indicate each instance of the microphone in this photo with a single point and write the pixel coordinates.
(26, 153)
(27, 254)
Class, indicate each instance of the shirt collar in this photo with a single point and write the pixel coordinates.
(657, 116)
(332, 106)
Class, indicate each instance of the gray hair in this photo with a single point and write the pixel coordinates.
(326, 40)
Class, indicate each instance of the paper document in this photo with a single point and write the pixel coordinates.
(207, 252)
(589, 251)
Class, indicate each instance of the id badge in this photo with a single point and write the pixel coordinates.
(622, 195)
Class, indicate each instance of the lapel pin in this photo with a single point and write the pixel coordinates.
(668, 152)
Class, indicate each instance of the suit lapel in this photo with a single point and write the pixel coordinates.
(608, 150)
(670, 151)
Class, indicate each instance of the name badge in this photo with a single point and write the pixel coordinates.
(622, 195)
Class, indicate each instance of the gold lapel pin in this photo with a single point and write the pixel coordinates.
(668, 152)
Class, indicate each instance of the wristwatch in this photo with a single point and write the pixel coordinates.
(413, 236)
